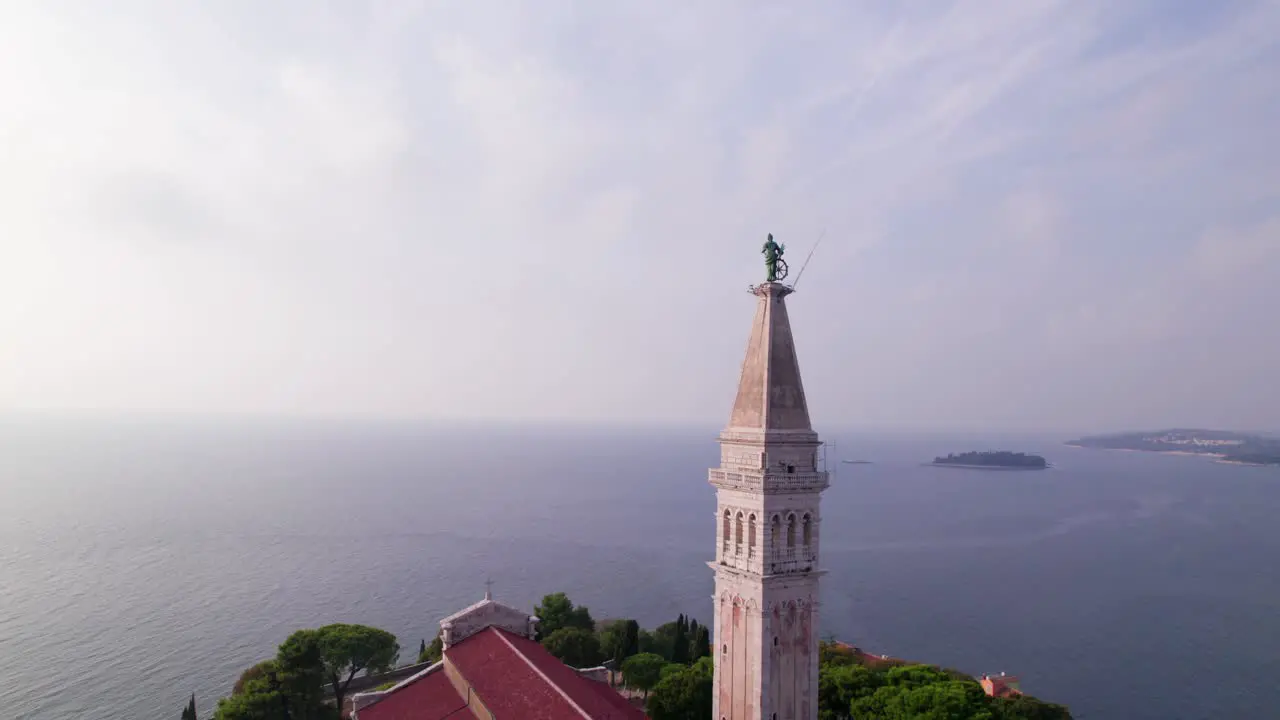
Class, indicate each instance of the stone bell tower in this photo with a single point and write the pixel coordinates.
(768, 489)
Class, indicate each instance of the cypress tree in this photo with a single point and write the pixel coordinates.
(422, 649)
(680, 646)
(693, 638)
(189, 712)
(702, 643)
(633, 639)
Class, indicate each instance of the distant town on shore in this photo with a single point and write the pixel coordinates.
(1223, 445)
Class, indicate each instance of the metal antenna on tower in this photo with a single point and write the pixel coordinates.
(808, 258)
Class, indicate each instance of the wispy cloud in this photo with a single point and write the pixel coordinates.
(1036, 210)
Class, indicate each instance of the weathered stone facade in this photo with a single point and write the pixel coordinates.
(486, 613)
(768, 488)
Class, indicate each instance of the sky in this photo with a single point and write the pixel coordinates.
(1035, 214)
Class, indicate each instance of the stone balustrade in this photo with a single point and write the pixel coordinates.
(779, 562)
(768, 481)
(789, 560)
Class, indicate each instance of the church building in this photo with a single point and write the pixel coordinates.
(768, 488)
(494, 669)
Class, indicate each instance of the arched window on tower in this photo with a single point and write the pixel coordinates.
(751, 536)
(724, 542)
(791, 532)
(808, 531)
(737, 535)
(775, 534)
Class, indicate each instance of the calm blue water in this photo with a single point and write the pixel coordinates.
(141, 562)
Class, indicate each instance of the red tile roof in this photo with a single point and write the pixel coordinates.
(513, 677)
(869, 659)
(517, 678)
(430, 697)
(587, 693)
(1000, 685)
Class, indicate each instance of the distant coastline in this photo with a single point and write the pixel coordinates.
(1226, 461)
(1223, 446)
(1075, 444)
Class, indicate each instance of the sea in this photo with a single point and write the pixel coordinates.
(146, 559)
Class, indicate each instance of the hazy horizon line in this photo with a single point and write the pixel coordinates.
(527, 423)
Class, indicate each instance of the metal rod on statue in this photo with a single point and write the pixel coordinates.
(808, 258)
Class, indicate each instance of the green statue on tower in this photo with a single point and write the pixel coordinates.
(773, 261)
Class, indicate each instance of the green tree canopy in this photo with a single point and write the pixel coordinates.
(1024, 707)
(557, 611)
(267, 704)
(702, 643)
(848, 689)
(346, 650)
(574, 647)
(615, 641)
(300, 675)
(642, 671)
(253, 673)
(278, 690)
(291, 687)
(671, 669)
(947, 700)
(913, 676)
(646, 642)
(840, 685)
(683, 695)
(663, 639)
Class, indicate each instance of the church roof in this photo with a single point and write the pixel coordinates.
(427, 696)
(517, 678)
(770, 393)
(511, 676)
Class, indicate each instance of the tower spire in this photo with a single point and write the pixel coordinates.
(770, 392)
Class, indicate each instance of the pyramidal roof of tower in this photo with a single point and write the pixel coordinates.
(770, 392)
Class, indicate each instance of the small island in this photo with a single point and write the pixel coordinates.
(993, 460)
(1223, 445)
